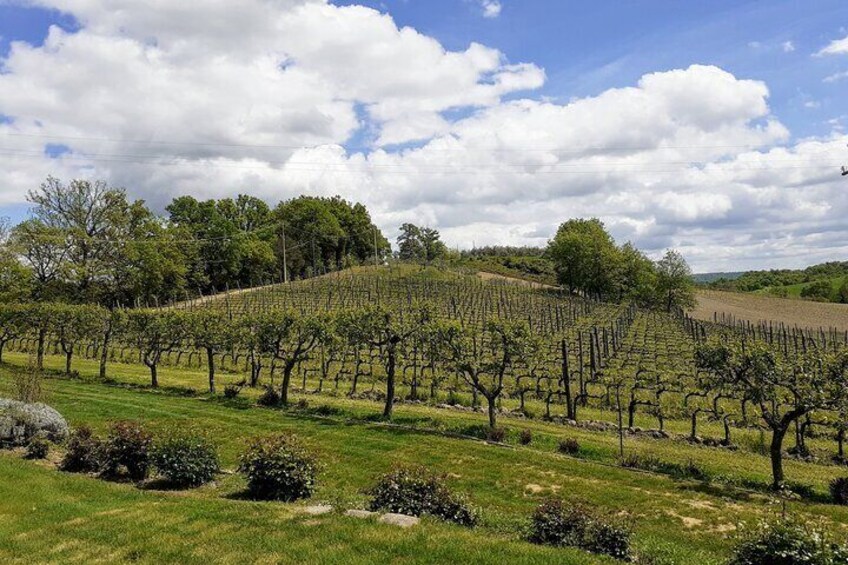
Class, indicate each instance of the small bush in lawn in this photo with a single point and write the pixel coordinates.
(185, 459)
(269, 397)
(231, 391)
(496, 434)
(416, 491)
(569, 446)
(558, 523)
(38, 448)
(127, 447)
(84, 452)
(525, 437)
(302, 404)
(279, 468)
(787, 542)
(839, 490)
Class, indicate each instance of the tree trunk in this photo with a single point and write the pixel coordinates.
(104, 353)
(390, 383)
(154, 377)
(2, 345)
(776, 453)
(288, 367)
(492, 411)
(694, 434)
(68, 354)
(39, 356)
(210, 360)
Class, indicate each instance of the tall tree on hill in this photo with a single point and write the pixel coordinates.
(586, 257)
(675, 287)
(420, 244)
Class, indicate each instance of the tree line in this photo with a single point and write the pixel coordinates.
(87, 241)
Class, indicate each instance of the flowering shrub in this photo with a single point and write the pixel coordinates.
(788, 542)
(127, 446)
(279, 468)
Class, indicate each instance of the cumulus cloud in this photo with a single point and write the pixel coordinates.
(168, 99)
(835, 47)
(491, 8)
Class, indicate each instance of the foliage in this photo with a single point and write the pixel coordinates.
(38, 448)
(420, 244)
(525, 437)
(416, 491)
(185, 458)
(83, 453)
(269, 397)
(569, 446)
(839, 490)
(555, 522)
(674, 285)
(820, 290)
(496, 434)
(28, 385)
(279, 468)
(127, 446)
(788, 542)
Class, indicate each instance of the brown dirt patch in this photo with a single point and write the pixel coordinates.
(754, 308)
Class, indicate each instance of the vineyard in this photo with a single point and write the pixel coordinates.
(756, 407)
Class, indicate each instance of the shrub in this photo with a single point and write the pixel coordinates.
(185, 459)
(525, 437)
(416, 491)
(787, 542)
(839, 490)
(688, 471)
(231, 391)
(38, 448)
(84, 452)
(127, 446)
(496, 434)
(569, 446)
(556, 523)
(269, 397)
(28, 385)
(279, 468)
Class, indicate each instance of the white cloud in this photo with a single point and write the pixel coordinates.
(835, 47)
(491, 8)
(835, 77)
(787, 46)
(263, 100)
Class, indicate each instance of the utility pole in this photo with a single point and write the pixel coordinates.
(285, 265)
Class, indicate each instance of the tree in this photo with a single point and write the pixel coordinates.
(211, 332)
(483, 357)
(585, 257)
(842, 293)
(154, 333)
(675, 287)
(73, 325)
(12, 323)
(380, 327)
(290, 338)
(420, 244)
(15, 278)
(637, 276)
(783, 389)
(43, 250)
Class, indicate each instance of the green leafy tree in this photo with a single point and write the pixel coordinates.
(211, 332)
(13, 323)
(380, 327)
(675, 287)
(585, 257)
(783, 389)
(74, 325)
(154, 333)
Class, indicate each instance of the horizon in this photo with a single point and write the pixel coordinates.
(716, 130)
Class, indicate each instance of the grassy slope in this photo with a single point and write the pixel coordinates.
(80, 518)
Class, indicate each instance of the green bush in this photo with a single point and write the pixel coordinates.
(84, 452)
(557, 523)
(185, 459)
(839, 490)
(269, 397)
(127, 447)
(496, 434)
(279, 468)
(416, 491)
(525, 437)
(569, 446)
(231, 391)
(38, 448)
(788, 542)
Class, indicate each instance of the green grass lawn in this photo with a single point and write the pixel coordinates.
(46, 515)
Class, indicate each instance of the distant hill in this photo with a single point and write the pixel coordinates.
(704, 278)
(826, 282)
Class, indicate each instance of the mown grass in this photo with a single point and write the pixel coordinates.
(46, 515)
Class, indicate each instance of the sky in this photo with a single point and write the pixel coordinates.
(715, 128)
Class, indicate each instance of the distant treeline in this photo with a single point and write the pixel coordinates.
(87, 242)
(820, 282)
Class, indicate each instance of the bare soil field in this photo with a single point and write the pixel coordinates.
(486, 276)
(745, 306)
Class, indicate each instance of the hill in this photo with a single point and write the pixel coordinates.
(826, 282)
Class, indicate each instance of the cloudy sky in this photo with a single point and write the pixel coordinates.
(717, 128)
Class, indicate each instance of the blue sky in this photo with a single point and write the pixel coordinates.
(712, 127)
